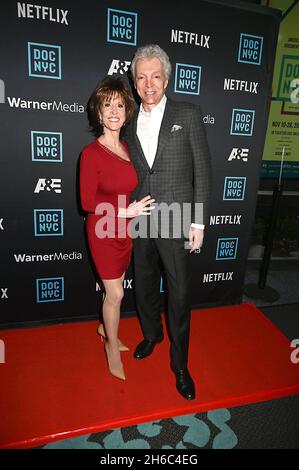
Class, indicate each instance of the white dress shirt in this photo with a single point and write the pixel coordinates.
(148, 128)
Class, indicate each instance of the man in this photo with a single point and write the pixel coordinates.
(169, 150)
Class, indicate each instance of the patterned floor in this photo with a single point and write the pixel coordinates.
(269, 425)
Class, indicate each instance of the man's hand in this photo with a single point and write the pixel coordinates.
(195, 238)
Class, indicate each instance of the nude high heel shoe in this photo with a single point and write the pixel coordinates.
(121, 346)
(118, 373)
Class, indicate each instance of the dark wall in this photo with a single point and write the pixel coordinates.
(51, 59)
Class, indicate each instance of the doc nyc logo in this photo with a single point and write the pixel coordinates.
(46, 146)
(50, 289)
(288, 79)
(44, 60)
(48, 222)
(161, 285)
(187, 79)
(242, 122)
(234, 188)
(227, 248)
(122, 27)
(250, 49)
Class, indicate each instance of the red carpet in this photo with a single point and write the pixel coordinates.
(55, 383)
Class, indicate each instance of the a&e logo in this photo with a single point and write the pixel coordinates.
(242, 122)
(44, 60)
(227, 248)
(119, 66)
(239, 154)
(50, 289)
(122, 27)
(46, 146)
(187, 79)
(250, 49)
(48, 184)
(48, 222)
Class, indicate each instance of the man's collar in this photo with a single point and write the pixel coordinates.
(160, 106)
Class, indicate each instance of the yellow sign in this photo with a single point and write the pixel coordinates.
(283, 124)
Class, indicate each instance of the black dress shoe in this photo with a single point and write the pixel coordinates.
(145, 348)
(185, 384)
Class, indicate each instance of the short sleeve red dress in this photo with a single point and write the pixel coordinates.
(106, 182)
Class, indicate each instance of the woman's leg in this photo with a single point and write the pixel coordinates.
(111, 317)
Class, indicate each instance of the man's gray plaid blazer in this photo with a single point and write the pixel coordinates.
(181, 169)
(181, 174)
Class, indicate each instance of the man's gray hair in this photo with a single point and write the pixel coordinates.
(148, 52)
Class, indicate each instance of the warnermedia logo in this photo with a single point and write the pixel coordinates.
(242, 122)
(122, 27)
(48, 222)
(227, 248)
(187, 79)
(46, 146)
(250, 49)
(50, 289)
(44, 60)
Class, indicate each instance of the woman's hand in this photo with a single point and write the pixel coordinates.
(136, 208)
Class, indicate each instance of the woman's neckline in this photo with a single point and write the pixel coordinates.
(113, 153)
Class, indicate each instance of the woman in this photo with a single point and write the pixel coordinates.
(107, 177)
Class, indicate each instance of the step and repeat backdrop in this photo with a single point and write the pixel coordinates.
(53, 53)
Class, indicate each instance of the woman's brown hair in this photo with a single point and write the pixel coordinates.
(104, 91)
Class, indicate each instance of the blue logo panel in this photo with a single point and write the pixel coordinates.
(227, 248)
(50, 289)
(46, 146)
(122, 27)
(234, 188)
(242, 122)
(44, 60)
(187, 79)
(250, 49)
(48, 222)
